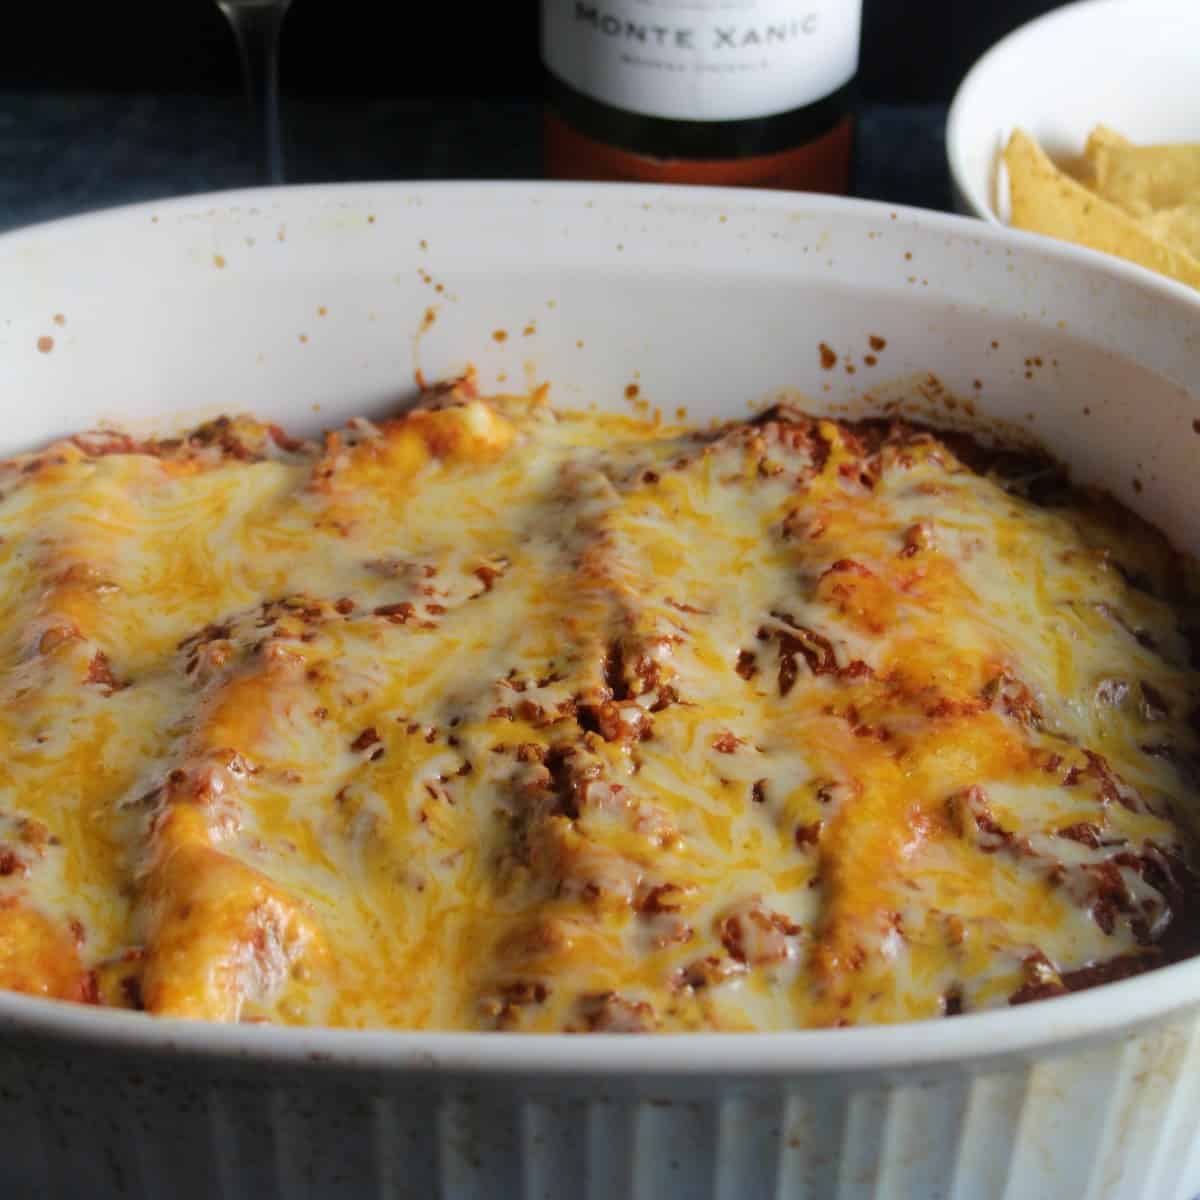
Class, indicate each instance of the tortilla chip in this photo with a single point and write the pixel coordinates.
(1178, 226)
(1142, 179)
(1104, 137)
(1100, 140)
(1048, 201)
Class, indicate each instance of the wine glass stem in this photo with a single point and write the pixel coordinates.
(256, 27)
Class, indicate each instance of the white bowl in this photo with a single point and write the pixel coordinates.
(1130, 64)
(708, 298)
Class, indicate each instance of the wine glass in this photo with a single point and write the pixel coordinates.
(256, 25)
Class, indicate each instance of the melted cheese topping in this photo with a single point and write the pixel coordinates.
(491, 716)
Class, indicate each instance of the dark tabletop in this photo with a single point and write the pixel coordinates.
(65, 153)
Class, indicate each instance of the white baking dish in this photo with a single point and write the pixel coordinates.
(707, 299)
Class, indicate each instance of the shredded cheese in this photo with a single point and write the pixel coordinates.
(491, 716)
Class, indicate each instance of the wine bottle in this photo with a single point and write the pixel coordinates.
(757, 93)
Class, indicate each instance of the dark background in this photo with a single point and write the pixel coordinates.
(134, 100)
(914, 51)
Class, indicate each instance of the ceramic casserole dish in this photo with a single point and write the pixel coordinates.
(160, 315)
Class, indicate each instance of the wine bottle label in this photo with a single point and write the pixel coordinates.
(703, 60)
